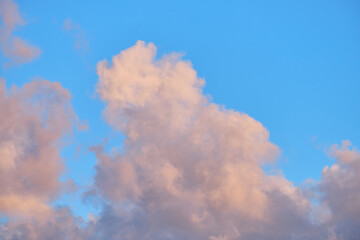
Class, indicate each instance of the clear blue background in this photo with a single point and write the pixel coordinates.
(292, 65)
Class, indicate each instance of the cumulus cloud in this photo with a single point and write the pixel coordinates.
(340, 186)
(77, 33)
(60, 225)
(34, 118)
(17, 50)
(191, 169)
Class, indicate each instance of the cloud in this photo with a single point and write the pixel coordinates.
(17, 50)
(61, 225)
(191, 169)
(77, 33)
(340, 186)
(34, 118)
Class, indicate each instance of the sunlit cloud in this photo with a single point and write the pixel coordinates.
(16, 49)
(189, 168)
(33, 120)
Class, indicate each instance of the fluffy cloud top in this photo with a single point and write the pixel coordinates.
(190, 169)
(17, 50)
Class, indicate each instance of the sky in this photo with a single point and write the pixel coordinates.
(179, 119)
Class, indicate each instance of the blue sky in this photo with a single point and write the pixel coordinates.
(292, 65)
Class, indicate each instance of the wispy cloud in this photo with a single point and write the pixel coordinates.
(16, 49)
(77, 33)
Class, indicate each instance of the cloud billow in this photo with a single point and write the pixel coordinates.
(34, 119)
(190, 169)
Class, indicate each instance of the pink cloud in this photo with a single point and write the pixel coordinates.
(190, 169)
(34, 118)
(340, 185)
(17, 50)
